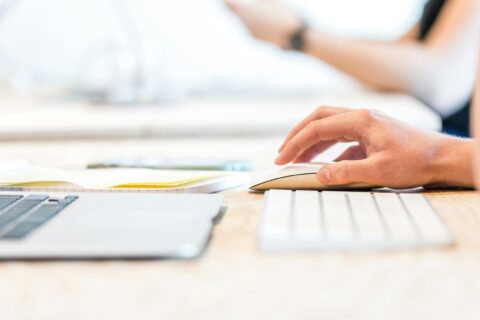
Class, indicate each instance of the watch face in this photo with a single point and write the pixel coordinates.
(297, 39)
(297, 43)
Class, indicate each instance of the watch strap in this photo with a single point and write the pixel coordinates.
(297, 39)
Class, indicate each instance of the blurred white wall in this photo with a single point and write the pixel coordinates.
(376, 19)
(180, 46)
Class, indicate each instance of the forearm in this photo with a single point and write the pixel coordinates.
(390, 66)
(439, 70)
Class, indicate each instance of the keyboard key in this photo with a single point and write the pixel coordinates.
(431, 228)
(399, 224)
(277, 214)
(337, 219)
(40, 216)
(369, 223)
(307, 215)
(6, 201)
(20, 208)
(310, 220)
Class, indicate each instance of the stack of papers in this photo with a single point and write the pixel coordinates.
(26, 176)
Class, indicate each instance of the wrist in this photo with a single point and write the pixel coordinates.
(296, 39)
(452, 163)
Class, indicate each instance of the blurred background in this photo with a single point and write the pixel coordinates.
(128, 51)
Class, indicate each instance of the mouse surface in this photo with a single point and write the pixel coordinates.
(301, 176)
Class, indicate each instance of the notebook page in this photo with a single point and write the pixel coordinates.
(105, 178)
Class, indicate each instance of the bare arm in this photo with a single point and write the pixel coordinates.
(410, 35)
(439, 70)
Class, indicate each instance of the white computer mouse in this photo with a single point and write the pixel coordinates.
(300, 176)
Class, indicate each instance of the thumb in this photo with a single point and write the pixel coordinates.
(347, 171)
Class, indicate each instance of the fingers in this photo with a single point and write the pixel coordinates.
(313, 151)
(352, 153)
(318, 114)
(348, 126)
(349, 171)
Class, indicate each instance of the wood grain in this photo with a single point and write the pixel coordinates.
(233, 280)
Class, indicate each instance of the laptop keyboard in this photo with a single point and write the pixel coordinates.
(336, 220)
(21, 215)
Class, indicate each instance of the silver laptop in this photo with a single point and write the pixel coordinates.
(105, 225)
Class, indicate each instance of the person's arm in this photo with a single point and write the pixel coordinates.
(410, 35)
(389, 153)
(439, 70)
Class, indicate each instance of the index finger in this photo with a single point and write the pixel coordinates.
(349, 126)
(319, 113)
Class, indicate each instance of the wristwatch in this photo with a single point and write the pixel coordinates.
(297, 39)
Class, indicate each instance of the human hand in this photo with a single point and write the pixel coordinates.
(267, 20)
(389, 153)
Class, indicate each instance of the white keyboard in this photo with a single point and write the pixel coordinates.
(333, 220)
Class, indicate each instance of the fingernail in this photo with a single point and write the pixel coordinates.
(279, 159)
(325, 176)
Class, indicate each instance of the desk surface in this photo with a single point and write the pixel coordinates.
(233, 280)
(26, 118)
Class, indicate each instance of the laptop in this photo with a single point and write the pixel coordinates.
(36, 225)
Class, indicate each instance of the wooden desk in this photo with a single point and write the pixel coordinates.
(233, 280)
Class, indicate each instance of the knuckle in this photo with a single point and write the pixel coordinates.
(320, 110)
(313, 128)
(295, 147)
(366, 115)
